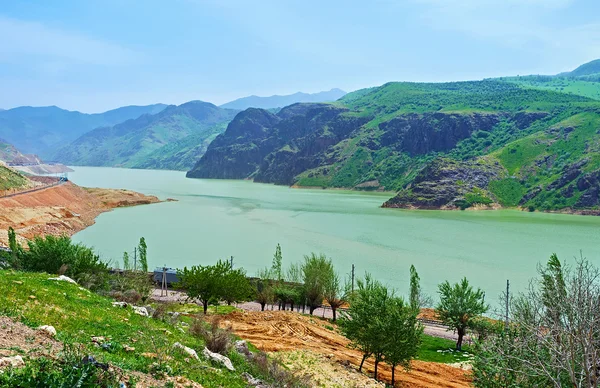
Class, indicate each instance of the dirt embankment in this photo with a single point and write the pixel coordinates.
(284, 331)
(64, 209)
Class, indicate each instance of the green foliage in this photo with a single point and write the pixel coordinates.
(459, 305)
(10, 179)
(214, 283)
(126, 263)
(316, 272)
(276, 267)
(333, 291)
(52, 255)
(415, 289)
(508, 191)
(381, 325)
(143, 251)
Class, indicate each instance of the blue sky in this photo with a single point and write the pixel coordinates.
(96, 55)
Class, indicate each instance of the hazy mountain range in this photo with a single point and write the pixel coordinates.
(281, 101)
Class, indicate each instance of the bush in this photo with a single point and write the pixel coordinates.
(217, 340)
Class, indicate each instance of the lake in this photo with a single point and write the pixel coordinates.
(215, 219)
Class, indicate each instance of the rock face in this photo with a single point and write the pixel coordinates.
(420, 134)
(12, 362)
(447, 183)
(275, 148)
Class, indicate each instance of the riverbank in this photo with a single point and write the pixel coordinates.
(65, 209)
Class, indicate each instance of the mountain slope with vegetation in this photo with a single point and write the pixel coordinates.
(448, 145)
(281, 101)
(583, 81)
(171, 139)
(40, 130)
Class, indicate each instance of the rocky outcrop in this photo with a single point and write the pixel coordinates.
(275, 148)
(419, 134)
(449, 184)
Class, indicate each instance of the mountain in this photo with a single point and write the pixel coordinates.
(445, 145)
(8, 152)
(587, 69)
(281, 101)
(172, 139)
(41, 130)
(27, 163)
(583, 81)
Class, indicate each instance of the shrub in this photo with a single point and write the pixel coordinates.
(217, 340)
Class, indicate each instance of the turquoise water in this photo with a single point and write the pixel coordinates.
(215, 219)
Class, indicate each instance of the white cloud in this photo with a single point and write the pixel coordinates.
(31, 39)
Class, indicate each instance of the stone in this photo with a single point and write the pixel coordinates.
(128, 348)
(140, 311)
(47, 329)
(13, 362)
(219, 358)
(120, 304)
(17, 282)
(150, 310)
(242, 348)
(98, 340)
(63, 278)
(191, 352)
(253, 381)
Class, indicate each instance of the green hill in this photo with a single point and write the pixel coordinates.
(583, 81)
(40, 130)
(440, 145)
(171, 139)
(10, 179)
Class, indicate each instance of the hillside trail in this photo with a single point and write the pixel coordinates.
(284, 331)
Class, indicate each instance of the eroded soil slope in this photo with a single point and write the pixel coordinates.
(64, 209)
(284, 331)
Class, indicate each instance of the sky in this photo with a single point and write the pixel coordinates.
(96, 55)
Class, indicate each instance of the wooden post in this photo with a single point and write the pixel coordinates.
(507, 302)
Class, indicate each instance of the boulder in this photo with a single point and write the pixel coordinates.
(140, 311)
(242, 348)
(191, 352)
(63, 278)
(120, 304)
(12, 362)
(48, 330)
(219, 358)
(253, 381)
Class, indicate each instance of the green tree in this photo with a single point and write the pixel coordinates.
(459, 305)
(235, 286)
(126, 263)
(333, 292)
(276, 267)
(264, 288)
(203, 282)
(314, 271)
(14, 247)
(143, 249)
(403, 333)
(415, 289)
(364, 322)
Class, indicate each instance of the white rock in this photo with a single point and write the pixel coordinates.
(14, 362)
(120, 304)
(218, 358)
(63, 278)
(50, 330)
(140, 311)
(189, 351)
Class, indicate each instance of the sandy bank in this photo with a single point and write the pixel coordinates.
(65, 209)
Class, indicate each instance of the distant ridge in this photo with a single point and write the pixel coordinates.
(277, 101)
(590, 68)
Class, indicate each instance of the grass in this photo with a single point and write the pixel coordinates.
(10, 179)
(434, 349)
(78, 314)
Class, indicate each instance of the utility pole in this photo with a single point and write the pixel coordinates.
(507, 300)
(135, 259)
(353, 278)
(231, 262)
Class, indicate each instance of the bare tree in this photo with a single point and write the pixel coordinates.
(554, 335)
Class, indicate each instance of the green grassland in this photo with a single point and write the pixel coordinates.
(10, 179)
(78, 314)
